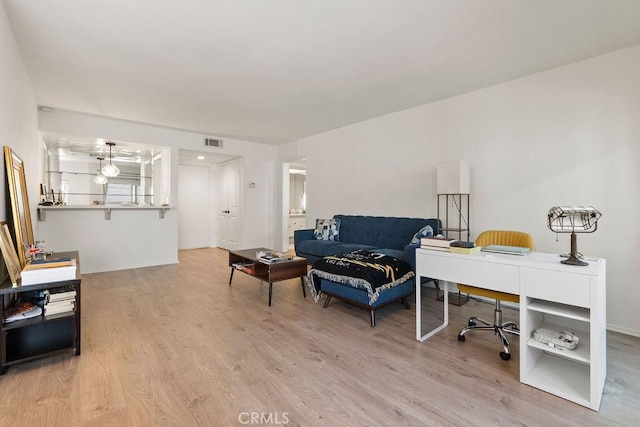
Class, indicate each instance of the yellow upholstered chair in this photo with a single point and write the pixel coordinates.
(496, 237)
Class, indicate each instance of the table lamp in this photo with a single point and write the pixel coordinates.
(573, 219)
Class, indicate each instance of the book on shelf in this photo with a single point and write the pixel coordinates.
(242, 265)
(58, 308)
(465, 251)
(34, 276)
(62, 289)
(21, 311)
(62, 303)
(62, 296)
(440, 242)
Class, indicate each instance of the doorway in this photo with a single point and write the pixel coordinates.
(198, 173)
(294, 199)
(193, 207)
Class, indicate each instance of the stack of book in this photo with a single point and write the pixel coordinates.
(436, 243)
(274, 257)
(48, 270)
(60, 300)
(21, 311)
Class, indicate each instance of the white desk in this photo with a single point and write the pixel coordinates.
(552, 295)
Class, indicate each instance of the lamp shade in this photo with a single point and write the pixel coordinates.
(100, 179)
(110, 170)
(573, 219)
(452, 177)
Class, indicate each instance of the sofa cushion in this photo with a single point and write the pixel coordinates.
(315, 247)
(327, 229)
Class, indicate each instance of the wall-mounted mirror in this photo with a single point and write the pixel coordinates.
(73, 172)
(297, 189)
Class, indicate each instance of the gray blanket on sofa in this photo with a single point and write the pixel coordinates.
(371, 271)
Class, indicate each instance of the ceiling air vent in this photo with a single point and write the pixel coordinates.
(213, 142)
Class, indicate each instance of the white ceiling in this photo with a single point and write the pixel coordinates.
(275, 70)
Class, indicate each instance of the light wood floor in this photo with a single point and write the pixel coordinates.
(175, 345)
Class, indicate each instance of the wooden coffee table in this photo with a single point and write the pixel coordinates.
(270, 273)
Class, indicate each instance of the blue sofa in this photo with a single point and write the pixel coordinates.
(388, 235)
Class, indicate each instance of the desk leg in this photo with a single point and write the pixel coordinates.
(270, 291)
(304, 291)
(445, 316)
(231, 277)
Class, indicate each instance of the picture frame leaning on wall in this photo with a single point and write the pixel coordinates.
(9, 254)
(17, 182)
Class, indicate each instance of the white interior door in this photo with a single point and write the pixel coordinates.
(193, 207)
(229, 206)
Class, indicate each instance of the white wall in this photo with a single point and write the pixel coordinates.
(570, 135)
(18, 118)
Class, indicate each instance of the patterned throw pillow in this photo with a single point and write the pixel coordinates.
(327, 229)
(426, 231)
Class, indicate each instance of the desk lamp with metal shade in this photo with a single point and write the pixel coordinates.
(573, 219)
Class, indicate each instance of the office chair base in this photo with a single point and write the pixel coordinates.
(498, 328)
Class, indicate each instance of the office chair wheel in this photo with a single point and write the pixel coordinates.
(505, 356)
(461, 337)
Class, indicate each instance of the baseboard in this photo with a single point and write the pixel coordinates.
(623, 330)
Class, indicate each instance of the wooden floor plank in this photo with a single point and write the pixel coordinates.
(176, 345)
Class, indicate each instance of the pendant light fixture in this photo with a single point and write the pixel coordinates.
(110, 170)
(100, 179)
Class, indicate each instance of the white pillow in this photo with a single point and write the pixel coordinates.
(327, 229)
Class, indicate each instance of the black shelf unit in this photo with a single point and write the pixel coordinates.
(453, 213)
(39, 337)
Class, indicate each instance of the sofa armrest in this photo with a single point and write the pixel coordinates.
(410, 254)
(410, 257)
(302, 235)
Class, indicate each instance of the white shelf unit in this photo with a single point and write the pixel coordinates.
(578, 305)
